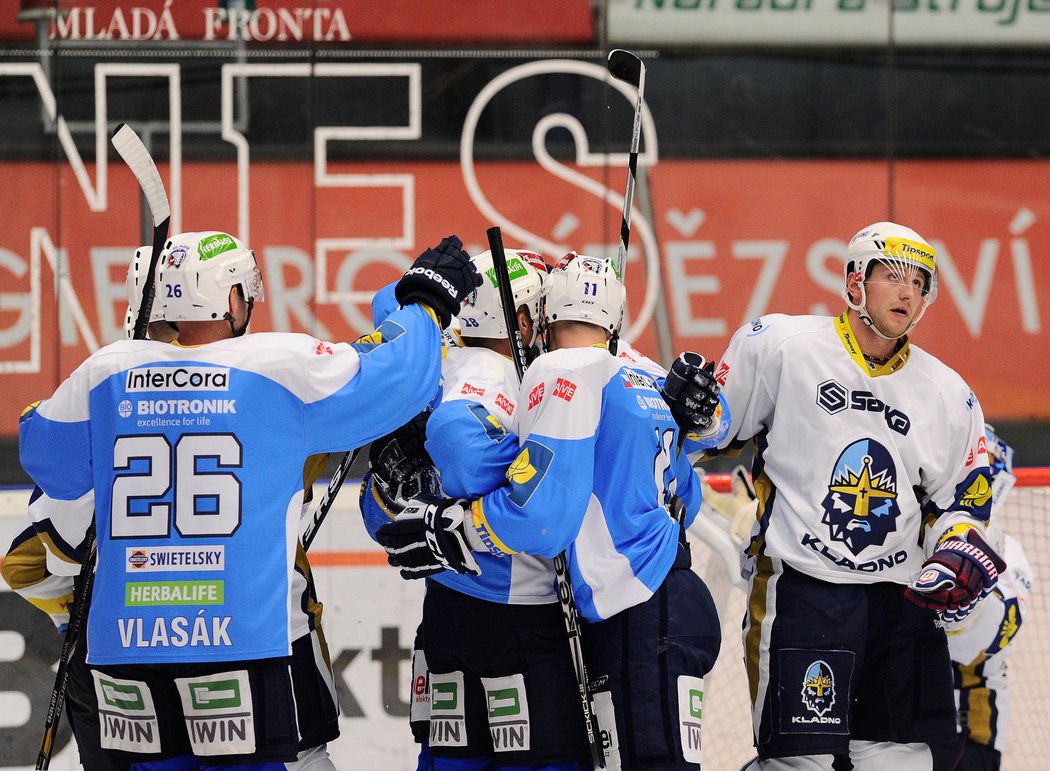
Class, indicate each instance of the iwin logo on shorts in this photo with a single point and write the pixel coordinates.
(690, 703)
(448, 722)
(177, 379)
(127, 719)
(508, 711)
(219, 713)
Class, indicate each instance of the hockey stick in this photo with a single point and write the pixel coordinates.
(561, 569)
(625, 66)
(137, 157)
(325, 504)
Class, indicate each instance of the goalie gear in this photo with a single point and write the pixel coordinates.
(441, 277)
(587, 289)
(961, 572)
(691, 392)
(482, 314)
(196, 271)
(427, 537)
(902, 250)
(401, 466)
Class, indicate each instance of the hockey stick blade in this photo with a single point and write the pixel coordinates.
(625, 66)
(138, 159)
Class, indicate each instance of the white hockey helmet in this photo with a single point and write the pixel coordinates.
(133, 285)
(901, 249)
(482, 312)
(196, 271)
(582, 288)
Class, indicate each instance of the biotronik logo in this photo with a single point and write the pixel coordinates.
(861, 508)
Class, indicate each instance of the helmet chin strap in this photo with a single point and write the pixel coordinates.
(247, 319)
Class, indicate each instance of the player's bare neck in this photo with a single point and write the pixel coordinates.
(499, 345)
(193, 333)
(576, 334)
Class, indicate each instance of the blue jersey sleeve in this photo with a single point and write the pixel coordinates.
(398, 375)
(471, 448)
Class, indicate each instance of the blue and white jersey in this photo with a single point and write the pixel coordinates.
(595, 476)
(472, 438)
(196, 459)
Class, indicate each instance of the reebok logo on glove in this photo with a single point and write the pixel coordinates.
(429, 273)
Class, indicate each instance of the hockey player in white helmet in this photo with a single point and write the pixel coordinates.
(583, 481)
(471, 438)
(197, 449)
(874, 492)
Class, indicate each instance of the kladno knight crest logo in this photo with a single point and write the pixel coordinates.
(861, 507)
(818, 688)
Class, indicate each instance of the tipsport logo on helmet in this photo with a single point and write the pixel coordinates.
(911, 250)
(213, 246)
(861, 507)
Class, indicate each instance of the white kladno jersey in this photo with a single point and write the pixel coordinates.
(595, 476)
(472, 437)
(195, 456)
(851, 458)
(980, 645)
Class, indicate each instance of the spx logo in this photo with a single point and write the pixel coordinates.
(833, 397)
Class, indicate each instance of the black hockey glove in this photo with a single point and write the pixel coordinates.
(957, 576)
(691, 392)
(401, 466)
(427, 537)
(441, 277)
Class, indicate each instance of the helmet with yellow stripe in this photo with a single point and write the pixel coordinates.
(903, 251)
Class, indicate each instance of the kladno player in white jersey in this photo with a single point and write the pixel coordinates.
(874, 491)
(195, 454)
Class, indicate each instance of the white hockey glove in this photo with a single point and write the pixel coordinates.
(691, 392)
(427, 537)
(959, 574)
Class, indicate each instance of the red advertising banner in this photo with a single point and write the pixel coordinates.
(728, 241)
(302, 21)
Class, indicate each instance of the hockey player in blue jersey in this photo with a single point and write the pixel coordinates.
(194, 453)
(598, 475)
(512, 639)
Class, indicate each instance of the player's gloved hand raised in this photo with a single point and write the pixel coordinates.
(957, 575)
(401, 466)
(427, 537)
(691, 392)
(441, 277)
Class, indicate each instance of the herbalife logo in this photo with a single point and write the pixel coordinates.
(128, 697)
(213, 246)
(515, 269)
(219, 694)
